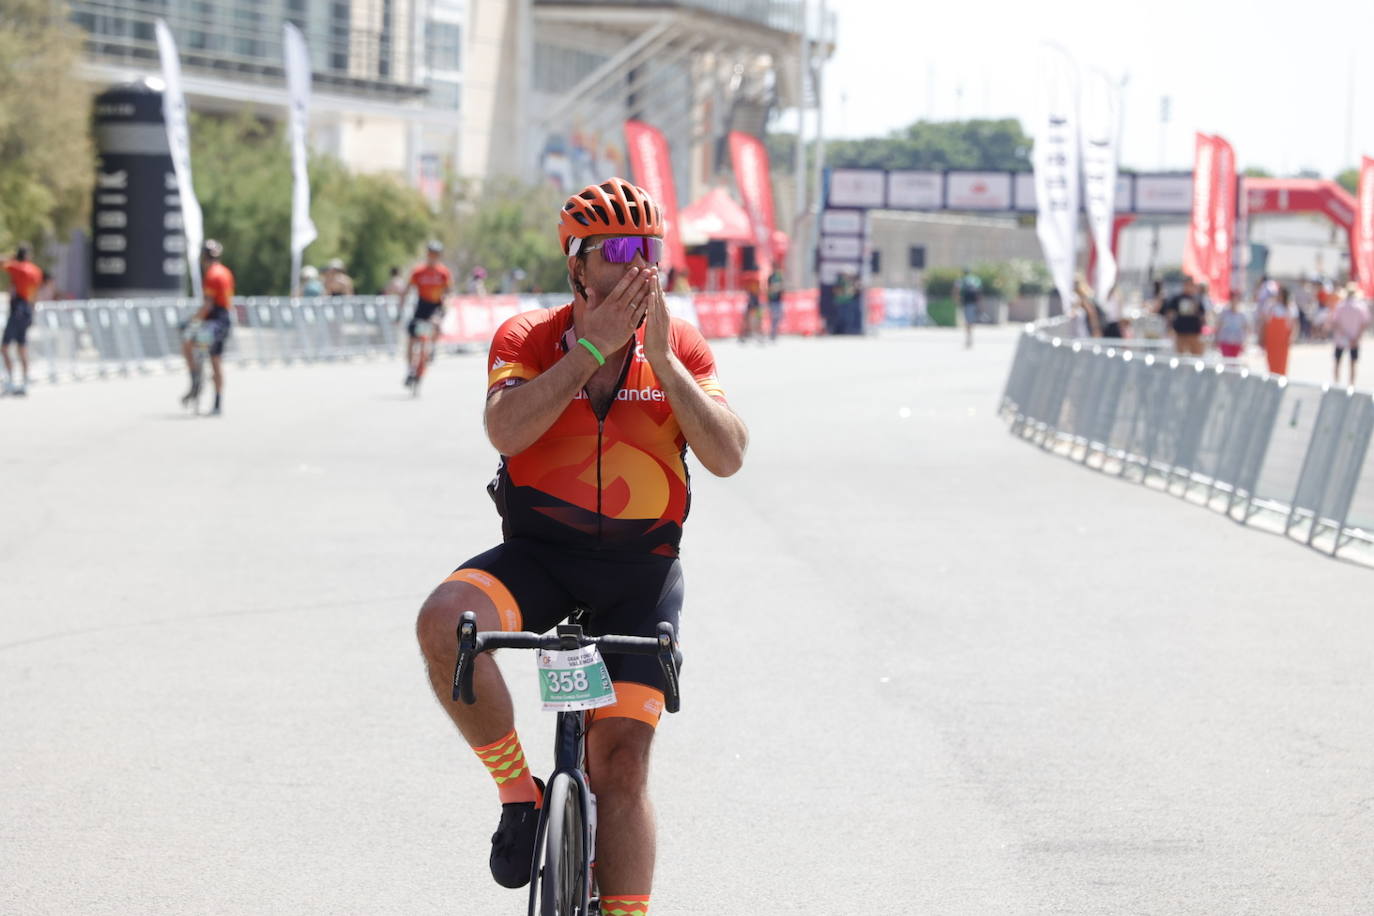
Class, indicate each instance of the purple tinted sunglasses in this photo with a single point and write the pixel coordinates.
(622, 250)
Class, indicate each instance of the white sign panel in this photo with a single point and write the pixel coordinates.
(1123, 193)
(842, 222)
(1164, 194)
(857, 188)
(1024, 192)
(1024, 188)
(830, 271)
(842, 247)
(979, 191)
(914, 190)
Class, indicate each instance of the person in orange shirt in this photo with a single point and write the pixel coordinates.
(431, 282)
(25, 278)
(218, 283)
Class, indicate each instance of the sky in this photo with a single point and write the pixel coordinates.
(1275, 79)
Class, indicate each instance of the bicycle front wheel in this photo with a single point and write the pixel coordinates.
(560, 885)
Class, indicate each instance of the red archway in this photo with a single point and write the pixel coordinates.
(1303, 195)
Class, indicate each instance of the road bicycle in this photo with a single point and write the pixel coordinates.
(561, 880)
(425, 333)
(202, 336)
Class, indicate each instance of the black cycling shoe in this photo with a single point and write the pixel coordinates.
(512, 845)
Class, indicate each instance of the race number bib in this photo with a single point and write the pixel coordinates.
(575, 679)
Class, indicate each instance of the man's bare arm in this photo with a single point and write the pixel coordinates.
(714, 432)
(517, 416)
(716, 435)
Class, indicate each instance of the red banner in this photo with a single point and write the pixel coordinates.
(749, 158)
(653, 170)
(1363, 266)
(1223, 219)
(1197, 254)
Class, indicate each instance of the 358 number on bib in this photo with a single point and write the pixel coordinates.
(575, 679)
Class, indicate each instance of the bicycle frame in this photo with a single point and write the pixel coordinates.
(570, 745)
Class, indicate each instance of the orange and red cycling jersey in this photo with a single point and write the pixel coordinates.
(431, 281)
(617, 483)
(219, 286)
(25, 278)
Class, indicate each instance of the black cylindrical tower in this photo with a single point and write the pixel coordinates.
(137, 247)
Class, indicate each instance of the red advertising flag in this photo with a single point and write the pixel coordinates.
(653, 171)
(1223, 219)
(749, 157)
(1364, 230)
(1197, 253)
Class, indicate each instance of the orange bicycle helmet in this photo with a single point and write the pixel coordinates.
(613, 207)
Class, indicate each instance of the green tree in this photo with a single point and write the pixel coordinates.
(242, 172)
(997, 145)
(505, 225)
(1350, 180)
(242, 175)
(47, 160)
(1255, 171)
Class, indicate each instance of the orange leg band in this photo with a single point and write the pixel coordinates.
(507, 611)
(632, 701)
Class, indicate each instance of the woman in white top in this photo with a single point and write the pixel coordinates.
(1349, 321)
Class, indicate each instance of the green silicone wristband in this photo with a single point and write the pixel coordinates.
(591, 348)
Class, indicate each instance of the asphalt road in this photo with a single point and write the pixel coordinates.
(932, 669)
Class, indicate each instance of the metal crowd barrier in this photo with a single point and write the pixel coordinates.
(100, 337)
(75, 339)
(1258, 447)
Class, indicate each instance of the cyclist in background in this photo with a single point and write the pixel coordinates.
(431, 282)
(218, 283)
(25, 279)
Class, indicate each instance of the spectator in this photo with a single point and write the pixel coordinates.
(395, 284)
(753, 311)
(1087, 308)
(25, 279)
(775, 290)
(1111, 314)
(336, 281)
(310, 282)
(1186, 315)
(1280, 325)
(1233, 327)
(970, 292)
(1306, 302)
(477, 284)
(1349, 321)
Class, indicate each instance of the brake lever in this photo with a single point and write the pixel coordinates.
(467, 655)
(669, 659)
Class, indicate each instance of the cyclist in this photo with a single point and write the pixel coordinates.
(431, 282)
(592, 407)
(218, 283)
(25, 279)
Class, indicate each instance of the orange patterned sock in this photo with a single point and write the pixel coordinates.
(634, 905)
(505, 761)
